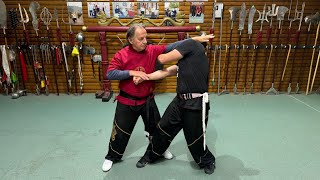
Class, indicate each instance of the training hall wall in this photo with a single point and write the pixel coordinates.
(92, 84)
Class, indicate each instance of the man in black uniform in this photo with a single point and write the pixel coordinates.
(188, 110)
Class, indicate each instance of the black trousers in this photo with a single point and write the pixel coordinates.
(174, 119)
(123, 124)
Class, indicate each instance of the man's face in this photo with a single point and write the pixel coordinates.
(139, 41)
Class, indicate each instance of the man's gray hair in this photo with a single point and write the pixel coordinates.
(132, 29)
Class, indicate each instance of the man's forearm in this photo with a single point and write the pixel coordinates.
(118, 74)
(161, 74)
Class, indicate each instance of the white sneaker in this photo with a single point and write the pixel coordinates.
(167, 155)
(106, 166)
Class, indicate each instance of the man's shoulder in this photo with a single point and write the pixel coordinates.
(156, 47)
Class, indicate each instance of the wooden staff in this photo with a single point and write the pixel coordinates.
(311, 63)
(315, 71)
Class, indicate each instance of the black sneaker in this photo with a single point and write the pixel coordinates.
(142, 162)
(209, 169)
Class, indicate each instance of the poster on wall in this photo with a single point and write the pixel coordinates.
(171, 10)
(75, 13)
(196, 14)
(96, 7)
(148, 9)
(123, 9)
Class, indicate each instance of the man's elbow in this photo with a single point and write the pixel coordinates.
(161, 59)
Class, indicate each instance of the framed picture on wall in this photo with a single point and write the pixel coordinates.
(171, 9)
(96, 7)
(196, 14)
(148, 9)
(123, 9)
(75, 13)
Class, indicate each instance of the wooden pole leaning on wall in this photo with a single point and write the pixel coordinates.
(106, 92)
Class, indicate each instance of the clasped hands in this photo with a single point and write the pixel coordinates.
(139, 77)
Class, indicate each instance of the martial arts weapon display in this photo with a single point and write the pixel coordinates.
(262, 17)
(313, 52)
(298, 15)
(242, 18)
(271, 13)
(233, 12)
(46, 19)
(280, 17)
(308, 19)
(250, 23)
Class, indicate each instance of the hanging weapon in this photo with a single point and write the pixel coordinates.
(80, 38)
(313, 52)
(71, 33)
(21, 55)
(14, 23)
(220, 44)
(90, 50)
(64, 45)
(280, 17)
(289, 32)
(242, 18)
(33, 8)
(315, 70)
(72, 44)
(250, 23)
(308, 19)
(5, 63)
(273, 12)
(46, 17)
(25, 31)
(75, 53)
(298, 16)
(211, 39)
(65, 60)
(233, 12)
(262, 17)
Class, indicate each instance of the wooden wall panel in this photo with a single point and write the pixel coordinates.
(91, 84)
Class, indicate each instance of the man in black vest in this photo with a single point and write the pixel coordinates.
(188, 110)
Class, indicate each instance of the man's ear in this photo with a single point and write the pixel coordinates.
(129, 40)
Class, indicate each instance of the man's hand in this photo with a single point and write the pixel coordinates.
(140, 74)
(137, 80)
(203, 38)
